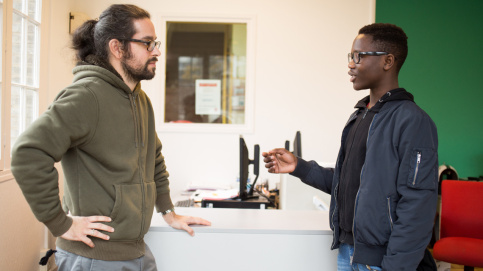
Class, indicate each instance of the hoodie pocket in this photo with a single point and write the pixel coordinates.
(132, 211)
(422, 169)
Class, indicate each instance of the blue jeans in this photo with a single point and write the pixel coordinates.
(344, 260)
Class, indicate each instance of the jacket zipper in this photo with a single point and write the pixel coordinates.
(365, 113)
(418, 162)
(136, 132)
(354, 219)
(351, 118)
(359, 190)
(140, 124)
(134, 116)
(389, 211)
(335, 207)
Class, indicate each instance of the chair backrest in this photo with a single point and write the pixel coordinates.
(461, 209)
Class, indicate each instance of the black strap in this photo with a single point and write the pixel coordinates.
(45, 259)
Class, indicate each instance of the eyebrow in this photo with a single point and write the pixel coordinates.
(148, 38)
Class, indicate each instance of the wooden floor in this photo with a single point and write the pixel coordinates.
(455, 267)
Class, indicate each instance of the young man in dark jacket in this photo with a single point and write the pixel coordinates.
(384, 185)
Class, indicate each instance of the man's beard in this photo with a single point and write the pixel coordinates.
(138, 74)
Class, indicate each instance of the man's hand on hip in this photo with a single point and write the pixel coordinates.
(83, 226)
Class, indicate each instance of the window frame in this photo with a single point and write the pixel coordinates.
(6, 77)
(6, 85)
(247, 127)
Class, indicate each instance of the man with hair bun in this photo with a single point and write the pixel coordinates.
(384, 187)
(102, 129)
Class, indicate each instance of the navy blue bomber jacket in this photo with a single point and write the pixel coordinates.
(396, 203)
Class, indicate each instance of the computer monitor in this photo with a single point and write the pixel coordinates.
(245, 162)
(297, 145)
(245, 198)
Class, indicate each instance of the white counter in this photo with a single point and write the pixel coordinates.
(245, 239)
(295, 195)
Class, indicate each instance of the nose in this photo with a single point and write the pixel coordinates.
(351, 64)
(156, 51)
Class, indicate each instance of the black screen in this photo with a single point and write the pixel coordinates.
(244, 164)
(297, 145)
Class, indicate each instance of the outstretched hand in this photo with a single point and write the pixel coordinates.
(181, 222)
(83, 226)
(279, 161)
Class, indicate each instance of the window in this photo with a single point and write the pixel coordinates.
(19, 79)
(208, 74)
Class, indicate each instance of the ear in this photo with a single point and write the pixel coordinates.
(115, 47)
(389, 62)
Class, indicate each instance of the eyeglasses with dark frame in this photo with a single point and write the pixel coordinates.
(356, 56)
(150, 44)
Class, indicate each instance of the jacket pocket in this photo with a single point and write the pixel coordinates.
(422, 169)
(372, 225)
(132, 211)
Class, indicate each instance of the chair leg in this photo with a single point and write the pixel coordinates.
(469, 268)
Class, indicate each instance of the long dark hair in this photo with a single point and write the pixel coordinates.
(91, 39)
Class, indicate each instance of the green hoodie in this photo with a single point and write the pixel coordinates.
(104, 135)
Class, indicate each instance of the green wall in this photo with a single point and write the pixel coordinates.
(444, 71)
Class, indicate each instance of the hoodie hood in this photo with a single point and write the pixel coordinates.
(393, 95)
(84, 70)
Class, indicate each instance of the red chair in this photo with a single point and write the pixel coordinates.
(461, 228)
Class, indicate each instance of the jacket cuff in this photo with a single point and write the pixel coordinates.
(60, 224)
(302, 168)
(163, 202)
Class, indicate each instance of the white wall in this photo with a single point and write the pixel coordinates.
(22, 237)
(61, 57)
(301, 81)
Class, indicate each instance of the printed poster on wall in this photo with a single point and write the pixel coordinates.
(208, 97)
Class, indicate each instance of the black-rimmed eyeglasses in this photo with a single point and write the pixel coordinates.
(356, 56)
(150, 44)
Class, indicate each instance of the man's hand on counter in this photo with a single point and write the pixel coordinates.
(181, 222)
